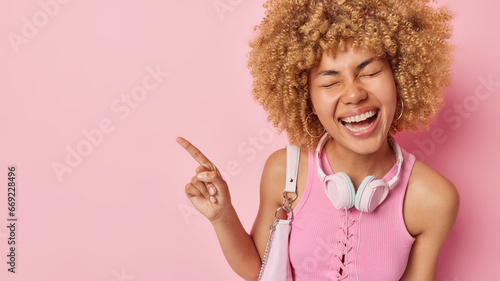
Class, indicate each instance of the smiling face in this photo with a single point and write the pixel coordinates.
(354, 95)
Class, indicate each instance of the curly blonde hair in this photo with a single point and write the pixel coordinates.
(291, 38)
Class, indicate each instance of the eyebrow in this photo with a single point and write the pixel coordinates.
(335, 72)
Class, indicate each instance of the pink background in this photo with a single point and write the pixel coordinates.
(119, 212)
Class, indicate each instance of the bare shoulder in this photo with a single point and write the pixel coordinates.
(430, 210)
(273, 176)
(431, 201)
(272, 185)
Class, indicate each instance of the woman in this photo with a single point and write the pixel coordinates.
(359, 72)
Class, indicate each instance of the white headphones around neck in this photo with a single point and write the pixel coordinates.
(371, 192)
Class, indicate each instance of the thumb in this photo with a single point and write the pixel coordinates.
(213, 177)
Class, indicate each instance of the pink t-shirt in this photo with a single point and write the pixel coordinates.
(331, 244)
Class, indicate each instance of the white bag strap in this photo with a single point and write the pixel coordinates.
(292, 167)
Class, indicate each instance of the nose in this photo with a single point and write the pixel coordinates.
(353, 94)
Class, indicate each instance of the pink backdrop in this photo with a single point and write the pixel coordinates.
(95, 92)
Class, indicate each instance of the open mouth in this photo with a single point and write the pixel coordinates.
(361, 122)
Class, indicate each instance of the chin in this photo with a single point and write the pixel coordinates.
(364, 146)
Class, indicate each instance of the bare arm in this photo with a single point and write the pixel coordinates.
(210, 196)
(430, 211)
(237, 245)
(271, 190)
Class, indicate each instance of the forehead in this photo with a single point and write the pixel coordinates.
(349, 57)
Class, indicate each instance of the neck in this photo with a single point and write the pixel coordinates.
(358, 166)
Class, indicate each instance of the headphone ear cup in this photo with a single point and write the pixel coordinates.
(371, 193)
(340, 190)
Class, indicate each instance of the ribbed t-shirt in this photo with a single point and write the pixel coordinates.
(331, 244)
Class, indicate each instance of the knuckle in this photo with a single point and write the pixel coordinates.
(196, 154)
(210, 175)
(213, 175)
(201, 169)
(194, 180)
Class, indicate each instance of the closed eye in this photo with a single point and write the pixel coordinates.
(371, 75)
(330, 85)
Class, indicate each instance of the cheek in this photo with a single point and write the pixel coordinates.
(324, 97)
(390, 107)
(387, 95)
(325, 106)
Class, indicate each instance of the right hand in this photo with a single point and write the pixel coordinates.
(209, 194)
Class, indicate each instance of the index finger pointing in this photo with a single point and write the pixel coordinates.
(195, 153)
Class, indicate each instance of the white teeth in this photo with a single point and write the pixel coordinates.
(359, 118)
(352, 129)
